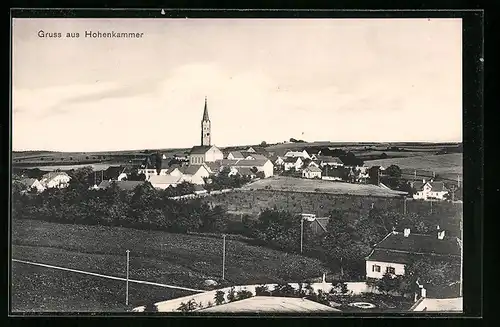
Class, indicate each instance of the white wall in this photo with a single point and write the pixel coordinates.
(268, 169)
(399, 268)
(60, 181)
(213, 154)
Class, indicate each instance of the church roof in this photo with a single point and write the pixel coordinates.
(205, 112)
(199, 149)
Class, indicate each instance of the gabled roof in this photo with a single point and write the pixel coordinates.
(123, 185)
(249, 163)
(200, 149)
(292, 159)
(172, 168)
(313, 169)
(54, 174)
(258, 156)
(274, 304)
(164, 179)
(328, 159)
(259, 150)
(236, 154)
(191, 169)
(420, 243)
(435, 186)
(28, 182)
(245, 171)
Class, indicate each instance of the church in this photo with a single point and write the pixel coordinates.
(206, 152)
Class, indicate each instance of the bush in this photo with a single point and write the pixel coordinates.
(151, 307)
(187, 307)
(243, 294)
(231, 295)
(219, 297)
(262, 290)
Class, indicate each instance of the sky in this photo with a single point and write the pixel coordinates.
(343, 80)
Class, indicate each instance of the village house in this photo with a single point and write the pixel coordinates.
(313, 164)
(298, 154)
(293, 163)
(258, 150)
(330, 161)
(278, 161)
(246, 172)
(55, 180)
(397, 249)
(151, 169)
(263, 165)
(311, 172)
(194, 174)
(254, 156)
(429, 190)
(235, 155)
(29, 184)
(164, 181)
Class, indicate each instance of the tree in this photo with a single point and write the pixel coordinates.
(186, 307)
(262, 290)
(263, 144)
(82, 177)
(219, 297)
(383, 155)
(231, 295)
(151, 307)
(285, 290)
(388, 283)
(373, 175)
(158, 162)
(243, 294)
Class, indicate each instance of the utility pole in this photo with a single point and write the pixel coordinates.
(128, 259)
(404, 205)
(301, 232)
(223, 254)
(431, 206)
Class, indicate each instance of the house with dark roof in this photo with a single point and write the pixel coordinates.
(329, 161)
(400, 248)
(195, 174)
(29, 184)
(122, 185)
(429, 190)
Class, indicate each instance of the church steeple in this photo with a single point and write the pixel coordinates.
(205, 112)
(205, 127)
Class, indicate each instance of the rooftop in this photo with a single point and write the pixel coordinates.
(164, 179)
(329, 159)
(420, 243)
(263, 304)
(199, 149)
(54, 174)
(313, 169)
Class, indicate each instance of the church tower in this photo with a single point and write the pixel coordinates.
(205, 127)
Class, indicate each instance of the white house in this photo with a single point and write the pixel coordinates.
(313, 164)
(151, 169)
(311, 172)
(300, 154)
(397, 249)
(263, 165)
(164, 181)
(293, 163)
(194, 174)
(279, 161)
(235, 155)
(55, 179)
(429, 190)
(31, 183)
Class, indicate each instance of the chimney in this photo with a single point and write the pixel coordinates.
(406, 232)
(423, 180)
(441, 235)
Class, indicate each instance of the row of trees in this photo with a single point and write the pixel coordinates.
(144, 208)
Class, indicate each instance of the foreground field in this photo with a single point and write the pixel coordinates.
(444, 164)
(283, 183)
(39, 289)
(182, 260)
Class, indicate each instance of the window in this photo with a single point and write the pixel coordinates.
(375, 268)
(391, 270)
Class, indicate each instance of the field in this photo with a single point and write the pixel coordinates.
(445, 165)
(39, 289)
(283, 183)
(183, 260)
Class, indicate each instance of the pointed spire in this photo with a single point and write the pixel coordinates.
(205, 112)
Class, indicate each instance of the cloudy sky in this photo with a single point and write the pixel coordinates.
(318, 80)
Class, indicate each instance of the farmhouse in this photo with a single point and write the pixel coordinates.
(278, 161)
(298, 154)
(263, 165)
(429, 190)
(55, 180)
(293, 163)
(397, 249)
(151, 169)
(31, 183)
(235, 155)
(330, 161)
(194, 174)
(311, 172)
(258, 150)
(246, 172)
(164, 181)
